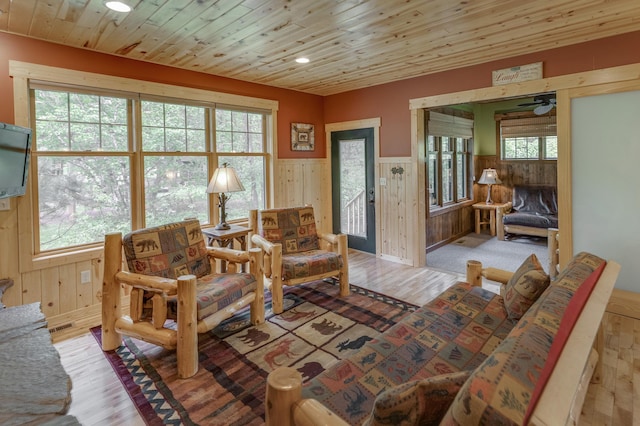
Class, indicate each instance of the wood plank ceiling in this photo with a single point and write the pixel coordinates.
(351, 43)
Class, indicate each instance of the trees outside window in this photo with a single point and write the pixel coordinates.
(110, 163)
(528, 137)
(449, 146)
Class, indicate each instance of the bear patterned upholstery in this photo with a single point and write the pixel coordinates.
(171, 277)
(455, 332)
(292, 251)
(168, 250)
(295, 229)
(177, 249)
(499, 391)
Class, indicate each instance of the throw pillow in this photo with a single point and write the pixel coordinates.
(421, 402)
(524, 287)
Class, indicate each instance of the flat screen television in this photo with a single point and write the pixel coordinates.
(15, 152)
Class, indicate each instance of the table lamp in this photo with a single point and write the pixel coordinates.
(489, 177)
(224, 180)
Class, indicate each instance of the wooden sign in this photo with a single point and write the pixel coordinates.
(517, 74)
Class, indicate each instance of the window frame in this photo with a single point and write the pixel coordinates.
(26, 75)
(440, 205)
(542, 145)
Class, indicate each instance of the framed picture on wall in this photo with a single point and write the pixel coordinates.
(302, 138)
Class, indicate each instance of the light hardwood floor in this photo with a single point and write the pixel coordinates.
(98, 397)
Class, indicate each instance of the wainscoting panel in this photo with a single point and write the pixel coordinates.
(305, 181)
(513, 173)
(394, 212)
(446, 227)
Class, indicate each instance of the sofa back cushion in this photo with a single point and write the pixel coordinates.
(500, 389)
(294, 228)
(168, 250)
(524, 287)
(541, 199)
(419, 402)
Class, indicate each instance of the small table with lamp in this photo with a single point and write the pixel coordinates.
(226, 237)
(223, 181)
(479, 220)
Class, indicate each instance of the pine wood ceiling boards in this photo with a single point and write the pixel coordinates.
(351, 43)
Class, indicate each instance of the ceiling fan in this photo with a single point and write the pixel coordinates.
(543, 103)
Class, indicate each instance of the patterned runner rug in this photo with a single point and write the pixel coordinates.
(316, 329)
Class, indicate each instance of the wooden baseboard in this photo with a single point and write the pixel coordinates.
(623, 302)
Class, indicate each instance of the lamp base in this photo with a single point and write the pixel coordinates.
(489, 200)
(222, 226)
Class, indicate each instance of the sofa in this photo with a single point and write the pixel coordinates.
(468, 357)
(533, 210)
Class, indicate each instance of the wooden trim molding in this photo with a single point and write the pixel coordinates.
(366, 123)
(23, 73)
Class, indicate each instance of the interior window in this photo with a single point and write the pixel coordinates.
(449, 148)
(528, 138)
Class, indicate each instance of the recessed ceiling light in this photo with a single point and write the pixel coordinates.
(118, 6)
(302, 60)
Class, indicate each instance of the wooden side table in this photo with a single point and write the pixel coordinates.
(491, 208)
(225, 238)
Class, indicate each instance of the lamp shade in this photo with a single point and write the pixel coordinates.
(489, 177)
(224, 180)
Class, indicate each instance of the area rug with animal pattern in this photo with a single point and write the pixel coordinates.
(316, 329)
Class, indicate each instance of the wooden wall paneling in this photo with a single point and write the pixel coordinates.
(68, 288)
(31, 288)
(386, 218)
(447, 227)
(404, 184)
(9, 256)
(50, 279)
(395, 211)
(513, 173)
(300, 182)
(96, 280)
(288, 189)
(84, 290)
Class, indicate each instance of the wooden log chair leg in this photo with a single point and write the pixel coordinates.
(255, 267)
(276, 280)
(187, 347)
(111, 303)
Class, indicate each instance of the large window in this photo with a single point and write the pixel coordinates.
(449, 150)
(110, 163)
(240, 142)
(528, 138)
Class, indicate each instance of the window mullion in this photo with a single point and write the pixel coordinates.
(137, 164)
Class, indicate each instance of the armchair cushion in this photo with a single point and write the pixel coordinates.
(309, 263)
(178, 249)
(294, 228)
(220, 290)
(168, 251)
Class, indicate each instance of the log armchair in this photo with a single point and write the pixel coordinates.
(171, 276)
(292, 250)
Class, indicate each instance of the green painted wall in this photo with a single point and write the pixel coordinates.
(485, 125)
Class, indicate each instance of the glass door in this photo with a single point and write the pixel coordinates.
(353, 187)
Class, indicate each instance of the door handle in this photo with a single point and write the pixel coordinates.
(372, 196)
